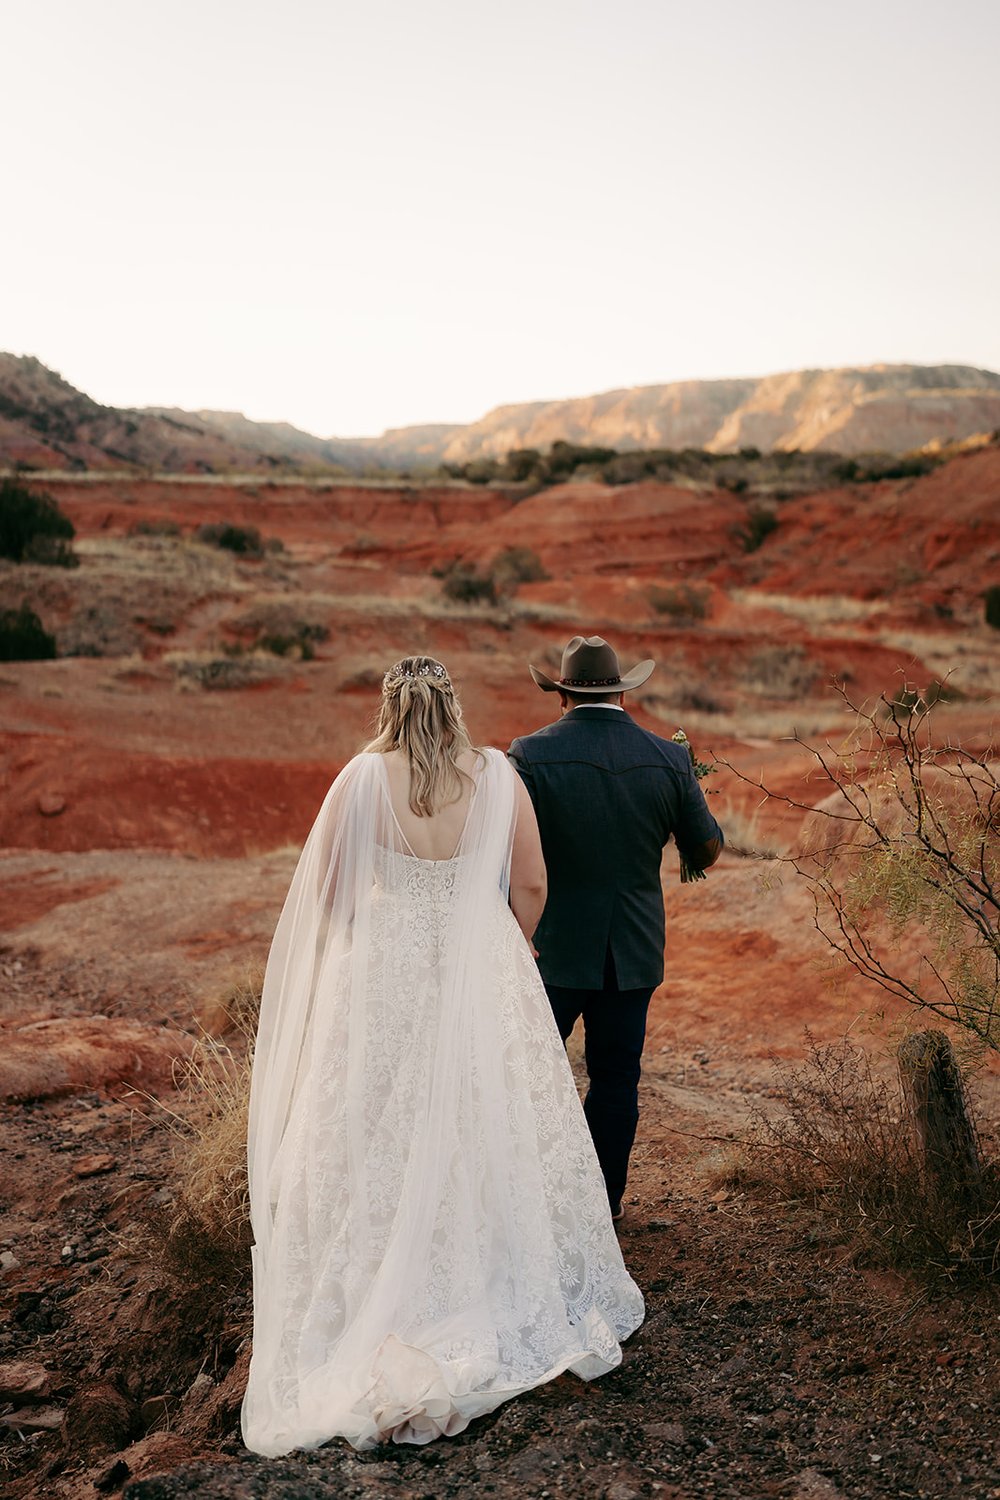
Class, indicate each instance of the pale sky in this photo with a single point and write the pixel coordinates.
(356, 214)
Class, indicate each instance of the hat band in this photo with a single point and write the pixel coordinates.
(589, 681)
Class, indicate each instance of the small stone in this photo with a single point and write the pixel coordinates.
(92, 1166)
(8, 1262)
(67, 1253)
(621, 1490)
(199, 1387)
(22, 1381)
(51, 804)
(667, 1432)
(34, 1419)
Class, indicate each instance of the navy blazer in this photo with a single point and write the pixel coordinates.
(608, 795)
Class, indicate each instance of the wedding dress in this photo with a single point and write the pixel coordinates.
(432, 1232)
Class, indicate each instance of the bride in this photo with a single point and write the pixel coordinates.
(432, 1231)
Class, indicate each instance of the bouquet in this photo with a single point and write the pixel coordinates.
(701, 769)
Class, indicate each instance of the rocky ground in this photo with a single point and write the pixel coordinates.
(154, 791)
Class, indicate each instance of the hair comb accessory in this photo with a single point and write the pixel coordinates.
(399, 673)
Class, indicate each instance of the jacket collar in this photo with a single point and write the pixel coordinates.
(600, 712)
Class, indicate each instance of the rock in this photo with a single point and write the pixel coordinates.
(34, 1419)
(51, 804)
(92, 1166)
(22, 1381)
(620, 1489)
(98, 1418)
(665, 1432)
(8, 1262)
(68, 1054)
(812, 1485)
(199, 1388)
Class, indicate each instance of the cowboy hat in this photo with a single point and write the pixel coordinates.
(590, 665)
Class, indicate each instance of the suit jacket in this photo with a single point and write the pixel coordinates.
(608, 795)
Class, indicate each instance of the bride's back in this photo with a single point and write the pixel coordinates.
(437, 835)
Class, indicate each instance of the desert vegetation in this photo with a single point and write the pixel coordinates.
(23, 637)
(465, 583)
(778, 474)
(33, 528)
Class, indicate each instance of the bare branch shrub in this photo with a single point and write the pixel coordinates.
(903, 861)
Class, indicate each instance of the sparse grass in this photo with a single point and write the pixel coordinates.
(206, 1230)
(745, 833)
(779, 672)
(840, 1140)
(221, 673)
(682, 603)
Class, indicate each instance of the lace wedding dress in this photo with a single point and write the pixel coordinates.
(432, 1232)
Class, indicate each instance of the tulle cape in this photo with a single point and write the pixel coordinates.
(431, 1232)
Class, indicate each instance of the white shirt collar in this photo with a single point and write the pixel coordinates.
(616, 706)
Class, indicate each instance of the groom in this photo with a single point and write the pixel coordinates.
(608, 795)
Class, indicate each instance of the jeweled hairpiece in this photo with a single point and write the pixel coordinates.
(399, 673)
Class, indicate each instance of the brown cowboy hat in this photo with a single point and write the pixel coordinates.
(590, 665)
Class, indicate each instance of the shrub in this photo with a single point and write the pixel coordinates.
(33, 528)
(154, 528)
(464, 584)
(683, 604)
(524, 463)
(761, 521)
(780, 672)
(23, 636)
(517, 565)
(301, 640)
(224, 673)
(842, 1141)
(245, 541)
(991, 606)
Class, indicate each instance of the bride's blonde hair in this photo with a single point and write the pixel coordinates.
(421, 716)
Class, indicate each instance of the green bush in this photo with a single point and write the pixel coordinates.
(245, 541)
(23, 636)
(33, 528)
(991, 603)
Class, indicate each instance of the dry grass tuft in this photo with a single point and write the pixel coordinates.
(841, 1141)
(205, 1231)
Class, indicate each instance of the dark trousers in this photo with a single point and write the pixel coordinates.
(614, 1030)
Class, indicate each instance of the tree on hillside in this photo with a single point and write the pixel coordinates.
(33, 528)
